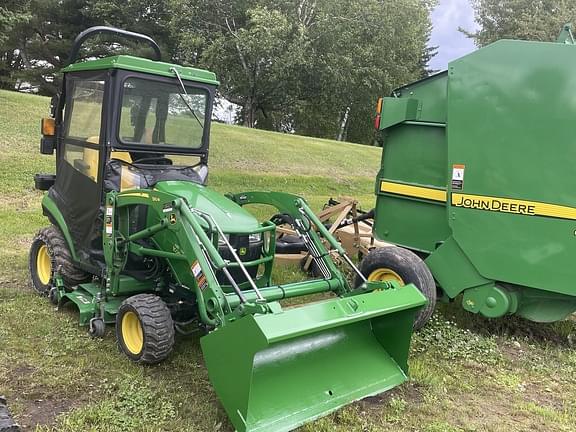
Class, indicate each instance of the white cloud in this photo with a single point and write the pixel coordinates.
(452, 44)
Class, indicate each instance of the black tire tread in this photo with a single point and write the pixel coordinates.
(411, 268)
(157, 327)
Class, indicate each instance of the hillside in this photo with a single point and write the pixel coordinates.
(468, 373)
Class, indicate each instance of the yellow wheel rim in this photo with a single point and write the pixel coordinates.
(132, 332)
(385, 275)
(43, 265)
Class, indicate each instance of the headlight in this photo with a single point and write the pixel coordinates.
(254, 238)
(238, 240)
(221, 241)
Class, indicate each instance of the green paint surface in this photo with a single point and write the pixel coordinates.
(138, 64)
(504, 112)
(278, 371)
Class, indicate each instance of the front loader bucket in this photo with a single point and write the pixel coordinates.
(275, 372)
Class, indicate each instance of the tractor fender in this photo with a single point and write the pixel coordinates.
(51, 211)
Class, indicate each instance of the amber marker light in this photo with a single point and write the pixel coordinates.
(48, 127)
(378, 113)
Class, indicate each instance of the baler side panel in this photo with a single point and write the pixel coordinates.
(410, 187)
(511, 124)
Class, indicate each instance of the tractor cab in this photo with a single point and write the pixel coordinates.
(122, 123)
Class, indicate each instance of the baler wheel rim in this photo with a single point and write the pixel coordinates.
(385, 275)
(132, 332)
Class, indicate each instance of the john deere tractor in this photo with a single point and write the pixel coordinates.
(138, 241)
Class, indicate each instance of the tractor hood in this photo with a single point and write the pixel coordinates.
(231, 217)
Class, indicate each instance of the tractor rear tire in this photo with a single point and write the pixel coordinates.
(405, 267)
(49, 253)
(144, 329)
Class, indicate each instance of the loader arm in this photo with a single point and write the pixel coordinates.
(174, 240)
(186, 237)
(252, 336)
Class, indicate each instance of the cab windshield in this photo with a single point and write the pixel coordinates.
(162, 114)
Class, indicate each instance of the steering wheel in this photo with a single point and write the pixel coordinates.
(160, 160)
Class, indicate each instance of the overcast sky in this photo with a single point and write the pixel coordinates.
(446, 18)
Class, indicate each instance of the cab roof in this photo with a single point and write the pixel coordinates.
(139, 64)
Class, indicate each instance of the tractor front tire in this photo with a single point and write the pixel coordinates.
(144, 329)
(403, 266)
(49, 253)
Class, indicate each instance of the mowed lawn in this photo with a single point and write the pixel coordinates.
(468, 373)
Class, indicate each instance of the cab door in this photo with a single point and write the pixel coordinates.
(78, 187)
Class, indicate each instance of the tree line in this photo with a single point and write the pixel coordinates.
(314, 67)
(537, 20)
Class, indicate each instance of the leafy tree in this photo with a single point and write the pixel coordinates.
(149, 17)
(39, 38)
(254, 46)
(539, 20)
(362, 50)
(314, 67)
(12, 14)
(260, 60)
(311, 66)
(36, 35)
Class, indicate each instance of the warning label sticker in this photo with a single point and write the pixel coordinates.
(457, 177)
(109, 226)
(196, 269)
(199, 275)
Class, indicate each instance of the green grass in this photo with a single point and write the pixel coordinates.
(468, 373)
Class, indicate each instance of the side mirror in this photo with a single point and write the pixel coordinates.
(47, 145)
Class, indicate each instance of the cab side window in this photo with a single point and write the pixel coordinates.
(82, 136)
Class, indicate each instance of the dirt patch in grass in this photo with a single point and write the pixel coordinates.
(43, 412)
(544, 395)
(483, 409)
(411, 392)
(34, 405)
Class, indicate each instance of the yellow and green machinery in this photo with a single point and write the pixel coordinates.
(476, 177)
(138, 241)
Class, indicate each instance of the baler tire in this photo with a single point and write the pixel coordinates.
(156, 328)
(410, 268)
(60, 259)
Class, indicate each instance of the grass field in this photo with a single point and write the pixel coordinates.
(468, 373)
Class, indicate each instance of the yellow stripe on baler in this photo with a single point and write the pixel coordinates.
(482, 202)
(413, 191)
(515, 206)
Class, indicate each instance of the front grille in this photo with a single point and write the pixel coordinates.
(247, 251)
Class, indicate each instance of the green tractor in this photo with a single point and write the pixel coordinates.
(138, 241)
